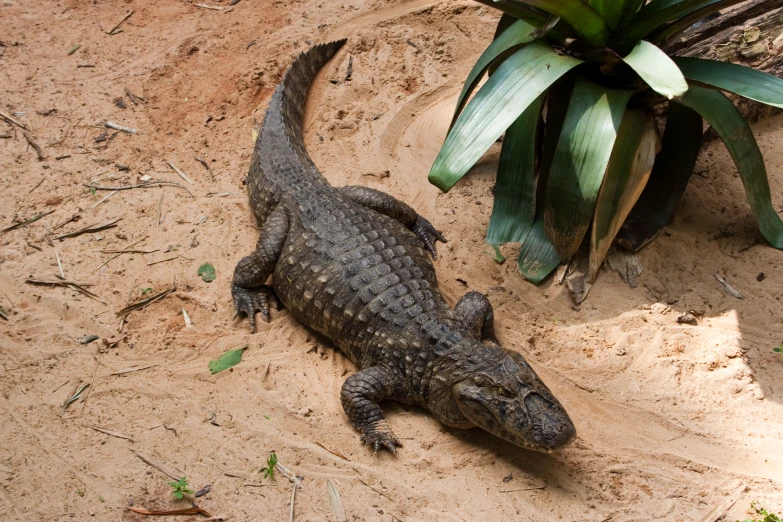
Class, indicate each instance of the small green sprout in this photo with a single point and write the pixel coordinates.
(92, 191)
(180, 488)
(267, 417)
(100, 497)
(145, 290)
(768, 517)
(269, 470)
(778, 349)
(80, 492)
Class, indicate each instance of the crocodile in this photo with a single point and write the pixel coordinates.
(353, 264)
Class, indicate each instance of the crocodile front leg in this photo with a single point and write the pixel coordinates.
(395, 209)
(360, 396)
(248, 288)
(475, 311)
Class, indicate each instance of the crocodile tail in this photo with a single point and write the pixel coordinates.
(296, 83)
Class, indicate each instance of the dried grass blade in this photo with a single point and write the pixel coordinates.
(181, 174)
(26, 221)
(173, 473)
(145, 303)
(108, 432)
(95, 227)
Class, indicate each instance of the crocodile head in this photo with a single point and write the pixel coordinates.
(509, 400)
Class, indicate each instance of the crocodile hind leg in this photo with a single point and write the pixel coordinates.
(248, 288)
(475, 311)
(396, 209)
(360, 396)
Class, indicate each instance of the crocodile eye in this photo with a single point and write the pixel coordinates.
(481, 380)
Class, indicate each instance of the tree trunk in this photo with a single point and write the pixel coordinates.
(750, 35)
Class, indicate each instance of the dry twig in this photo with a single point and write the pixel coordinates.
(145, 303)
(95, 227)
(108, 432)
(9, 119)
(34, 145)
(151, 183)
(127, 15)
(173, 473)
(26, 222)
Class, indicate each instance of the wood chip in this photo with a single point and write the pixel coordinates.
(95, 227)
(172, 473)
(186, 317)
(213, 7)
(108, 432)
(721, 509)
(728, 287)
(112, 125)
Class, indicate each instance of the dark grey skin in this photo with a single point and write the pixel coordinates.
(354, 264)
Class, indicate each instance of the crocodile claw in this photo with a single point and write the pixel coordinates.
(381, 438)
(250, 301)
(428, 234)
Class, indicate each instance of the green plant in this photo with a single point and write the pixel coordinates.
(778, 349)
(180, 488)
(573, 84)
(144, 291)
(269, 470)
(768, 517)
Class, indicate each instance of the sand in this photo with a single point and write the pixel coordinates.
(673, 420)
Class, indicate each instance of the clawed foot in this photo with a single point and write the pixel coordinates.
(251, 301)
(379, 436)
(428, 234)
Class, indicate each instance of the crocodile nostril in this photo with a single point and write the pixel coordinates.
(551, 425)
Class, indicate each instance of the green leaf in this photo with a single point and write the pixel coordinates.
(629, 169)
(514, 208)
(672, 171)
(657, 69)
(580, 161)
(745, 81)
(611, 10)
(519, 33)
(227, 360)
(538, 256)
(584, 20)
(522, 78)
(207, 272)
(736, 134)
(657, 13)
(631, 8)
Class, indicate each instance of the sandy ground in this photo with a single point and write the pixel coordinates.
(672, 419)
